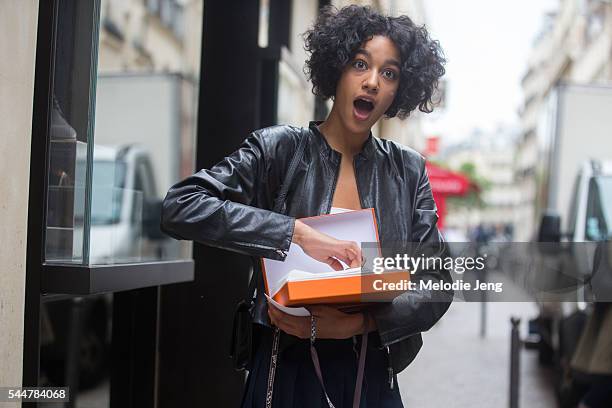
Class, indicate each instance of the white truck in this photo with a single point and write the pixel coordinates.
(574, 203)
(574, 129)
(575, 146)
(155, 111)
(126, 208)
(144, 135)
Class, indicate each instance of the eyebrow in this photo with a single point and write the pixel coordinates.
(391, 61)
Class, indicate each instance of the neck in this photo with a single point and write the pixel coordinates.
(340, 138)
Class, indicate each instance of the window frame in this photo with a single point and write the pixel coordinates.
(64, 277)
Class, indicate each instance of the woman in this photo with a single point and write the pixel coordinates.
(369, 65)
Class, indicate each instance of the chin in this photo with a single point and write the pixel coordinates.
(357, 126)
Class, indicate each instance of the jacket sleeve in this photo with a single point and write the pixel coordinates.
(418, 310)
(220, 207)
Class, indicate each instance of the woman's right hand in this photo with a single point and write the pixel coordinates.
(326, 249)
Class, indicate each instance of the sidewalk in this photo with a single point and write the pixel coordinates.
(456, 368)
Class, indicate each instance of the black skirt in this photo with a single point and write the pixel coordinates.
(297, 386)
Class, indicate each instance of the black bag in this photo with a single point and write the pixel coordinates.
(241, 347)
(242, 334)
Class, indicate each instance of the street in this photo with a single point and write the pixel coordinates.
(456, 368)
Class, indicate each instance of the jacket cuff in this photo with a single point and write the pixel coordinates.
(386, 318)
(409, 314)
(280, 248)
(287, 237)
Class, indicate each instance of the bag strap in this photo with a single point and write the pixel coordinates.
(360, 365)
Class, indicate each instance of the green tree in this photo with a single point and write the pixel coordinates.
(478, 183)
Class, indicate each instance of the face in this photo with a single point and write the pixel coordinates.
(368, 84)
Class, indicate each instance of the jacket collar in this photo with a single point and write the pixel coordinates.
(327, 151)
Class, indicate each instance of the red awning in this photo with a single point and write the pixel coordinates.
(446, 182)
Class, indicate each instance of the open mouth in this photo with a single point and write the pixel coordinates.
(363, 108)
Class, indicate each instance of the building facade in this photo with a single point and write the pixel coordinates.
(575, 46)
(492, 156)
(18, 21)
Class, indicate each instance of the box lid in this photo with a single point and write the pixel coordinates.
(359, 226)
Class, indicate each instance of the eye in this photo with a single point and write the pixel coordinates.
(389, 74)
(360, 65)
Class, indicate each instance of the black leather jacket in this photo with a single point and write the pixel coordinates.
(229, 206)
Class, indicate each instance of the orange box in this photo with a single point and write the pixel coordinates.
(350, 289)
(301, 280)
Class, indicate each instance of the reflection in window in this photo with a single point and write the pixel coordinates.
(144, 137)
(68, 133)
(106, 207)
(112, 157)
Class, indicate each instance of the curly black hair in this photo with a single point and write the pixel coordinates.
(334, 39)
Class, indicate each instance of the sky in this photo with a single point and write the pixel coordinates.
(486, 43)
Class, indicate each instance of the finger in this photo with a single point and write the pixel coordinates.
(334, 263)
(350, 254)
(356, 255)
(358, 251)
(354, 259)
(343, 255)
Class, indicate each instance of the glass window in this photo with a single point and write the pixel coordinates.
(146, 105)
(69, 132)
(106, 205)
(122, 128)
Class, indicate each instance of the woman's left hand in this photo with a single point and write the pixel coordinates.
(331, 322)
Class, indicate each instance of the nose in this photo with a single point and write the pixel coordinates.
(371, 81)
